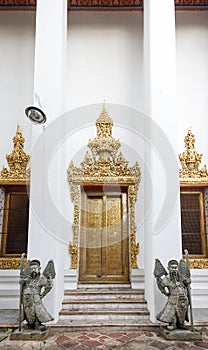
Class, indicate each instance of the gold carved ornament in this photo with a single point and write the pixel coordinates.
(8, 263)
(103, 166)
(17, 161)
(190, 161)
(198, 263)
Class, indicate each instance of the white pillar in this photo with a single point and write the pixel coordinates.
(44, 241)
(162, 239)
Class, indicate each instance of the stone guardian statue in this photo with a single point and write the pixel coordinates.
(175, 284)
(33, 288)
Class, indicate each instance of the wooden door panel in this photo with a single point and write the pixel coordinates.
(103, 241)
(114, 236)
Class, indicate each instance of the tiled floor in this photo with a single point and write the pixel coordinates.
(119, 340)
(105, 340)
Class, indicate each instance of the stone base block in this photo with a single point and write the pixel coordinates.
(181, 334)
(30, 334)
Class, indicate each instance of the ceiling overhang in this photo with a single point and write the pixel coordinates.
(102, 5)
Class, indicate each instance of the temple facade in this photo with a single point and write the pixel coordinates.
(116, 177)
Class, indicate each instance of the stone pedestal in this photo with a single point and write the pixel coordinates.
(30, 334)
(180, 334)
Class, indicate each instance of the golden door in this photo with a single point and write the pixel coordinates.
(104, 243)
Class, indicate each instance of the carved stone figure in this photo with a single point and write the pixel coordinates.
(33, 287)
(175, 284)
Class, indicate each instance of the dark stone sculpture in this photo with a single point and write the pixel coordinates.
(33, 287)
(175, 284)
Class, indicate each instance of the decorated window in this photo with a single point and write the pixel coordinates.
(194, 203)
(14, 205)
(14, 225)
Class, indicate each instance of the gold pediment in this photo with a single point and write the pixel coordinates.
(17, 160)
(105, 164)
(190, 160)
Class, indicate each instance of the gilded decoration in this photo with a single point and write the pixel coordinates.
(190, 161)
(7, 263)
(17, 161)
(198, 263)
(134, 4)
(191, 3)
(17, 2)
(104, 165)
(102, 4)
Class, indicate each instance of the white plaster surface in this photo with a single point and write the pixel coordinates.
(105, 58)
(192, 77)
(17, 35)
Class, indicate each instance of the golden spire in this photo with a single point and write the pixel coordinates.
(104, 147)
(17, 160)
(190, 161)
(104, 118)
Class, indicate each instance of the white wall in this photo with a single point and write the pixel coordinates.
(17, 34)
(192, 77)
(105, 53)
(105, 62)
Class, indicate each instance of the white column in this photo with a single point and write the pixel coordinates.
(162, 236)
(45, 226)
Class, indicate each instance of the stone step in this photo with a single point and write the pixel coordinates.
(104, 290)
(105, 325)
(104, 285)
(104, 306)
(105, 294)
(113, 304)
(104, 316)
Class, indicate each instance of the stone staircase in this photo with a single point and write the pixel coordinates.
(104, 306)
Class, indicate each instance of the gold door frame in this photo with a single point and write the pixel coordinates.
(104, 167)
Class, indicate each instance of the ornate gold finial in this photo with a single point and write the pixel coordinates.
(104, 119)
(190, 161)
(104, 147)
(17, 161)
(104, 166)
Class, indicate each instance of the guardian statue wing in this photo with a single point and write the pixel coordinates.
(160, 271)
(49, 273)
(49, 270)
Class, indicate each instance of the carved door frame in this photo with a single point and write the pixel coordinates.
(105, 167)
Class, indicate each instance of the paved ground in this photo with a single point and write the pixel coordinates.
(120, 340)
(105, 340)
